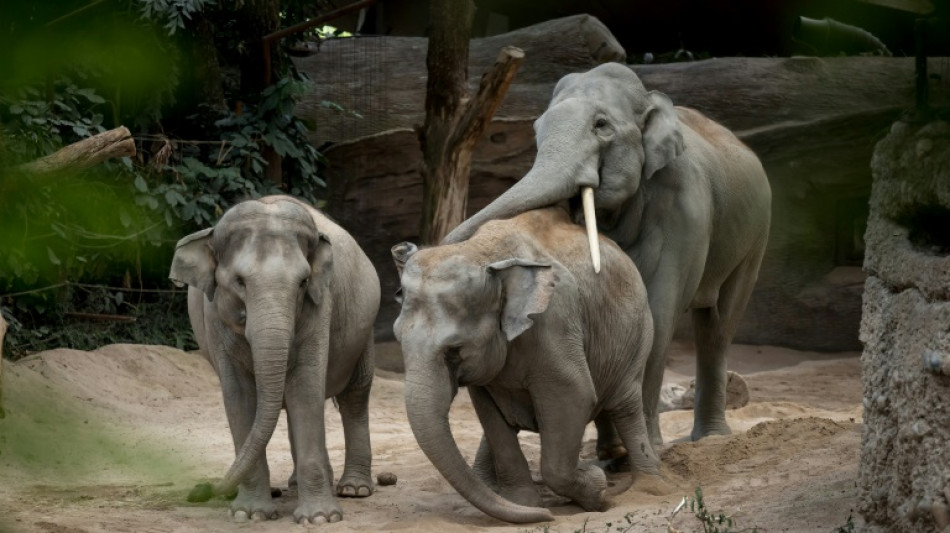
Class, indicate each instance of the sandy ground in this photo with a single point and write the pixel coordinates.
(112, 440)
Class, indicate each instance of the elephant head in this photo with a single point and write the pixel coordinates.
(259, 267)
(603, 133)
(457, 319)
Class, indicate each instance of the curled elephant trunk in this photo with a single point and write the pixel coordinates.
(429, 394)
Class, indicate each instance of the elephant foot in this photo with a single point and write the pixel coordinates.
(527, 496)
(614, 451)
(587, 487)
(318, 511)
(355, 486)
(705, 430)
(254, 508)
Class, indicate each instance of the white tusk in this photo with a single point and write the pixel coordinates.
(587, 199)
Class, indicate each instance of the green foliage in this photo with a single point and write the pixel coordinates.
(116, 225)
(171, 14)
(38, 124)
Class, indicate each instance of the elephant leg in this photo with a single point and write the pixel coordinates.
(484, 464)
(562, 426)
(357, 480)
(630, 423)
(499, 460)
(305, 396)
(664, 321)
(240, 404)
(292, 480)
(609, 445)
(714, 328)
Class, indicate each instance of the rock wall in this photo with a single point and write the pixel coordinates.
(904, 477)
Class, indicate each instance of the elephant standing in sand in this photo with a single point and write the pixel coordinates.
(543, 343)
(687, 201)
(282, 301)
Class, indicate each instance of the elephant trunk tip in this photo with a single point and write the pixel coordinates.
(203, 492)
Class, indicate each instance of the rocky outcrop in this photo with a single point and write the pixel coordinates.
(904, 478)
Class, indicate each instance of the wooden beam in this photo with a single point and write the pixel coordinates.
(921, 7)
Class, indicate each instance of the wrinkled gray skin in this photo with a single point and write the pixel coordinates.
(687, 201)
(282, 301)
(517, 315)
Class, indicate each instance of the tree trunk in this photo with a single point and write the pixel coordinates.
(259, 18)
(209, 81)
(454, 121)
(85, 153)
(443, 169)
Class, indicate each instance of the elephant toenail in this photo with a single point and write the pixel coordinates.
(320, 519)
(240, 516)
(364, 491)
(336, 517)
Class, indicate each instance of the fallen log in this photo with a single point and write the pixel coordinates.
(383, 79)
(86, 153)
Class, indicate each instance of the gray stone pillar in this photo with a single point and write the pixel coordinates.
(904, 477)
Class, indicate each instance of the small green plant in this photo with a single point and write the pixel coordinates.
(711, 522)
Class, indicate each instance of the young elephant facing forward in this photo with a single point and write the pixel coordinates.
(543, 343)
(282, 301)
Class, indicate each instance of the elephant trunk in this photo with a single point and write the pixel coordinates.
(558, 174)
(270, 332)
(429, 393)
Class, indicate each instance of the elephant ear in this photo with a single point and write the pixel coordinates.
(662, 138)
(527, 288)
(401, 253)
(194, 263)
(321, 263)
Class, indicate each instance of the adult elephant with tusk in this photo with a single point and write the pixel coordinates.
(282, 302)
(686, 200)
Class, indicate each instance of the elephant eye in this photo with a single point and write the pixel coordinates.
(600, 123)
(305, 282)
(453, 355)
(240, 281)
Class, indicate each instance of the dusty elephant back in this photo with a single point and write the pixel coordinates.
(556, 236)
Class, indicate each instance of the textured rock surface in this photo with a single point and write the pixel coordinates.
(904, 477)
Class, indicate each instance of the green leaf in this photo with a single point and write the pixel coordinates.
(91, 95)
(140, 184)
(170, 197)
(52, 257)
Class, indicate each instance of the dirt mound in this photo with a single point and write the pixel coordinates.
(709, 459)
